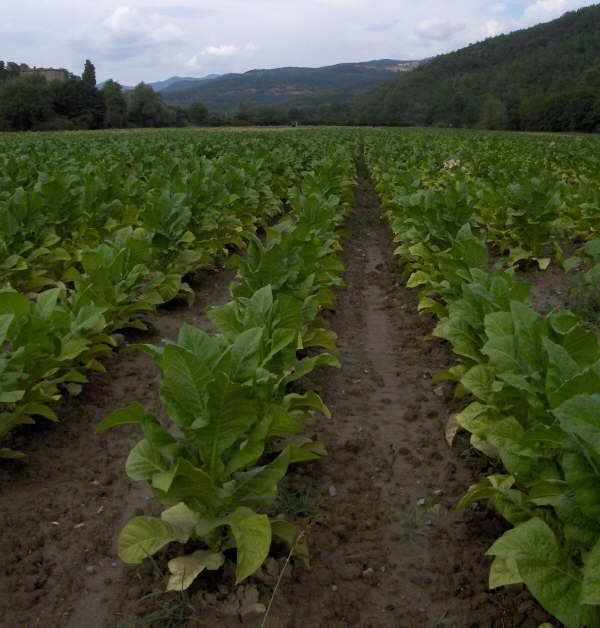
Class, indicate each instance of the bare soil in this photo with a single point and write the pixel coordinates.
(387, 549)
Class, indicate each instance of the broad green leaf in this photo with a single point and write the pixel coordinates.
(232, 415)
(185, 569)
(71, 349)
(580, 417)
(196, 489)
(307, 365)
(502, 354)
(41, 409)
(588, 381)
(252, 534)
(183, 389)
(479, 380)
(14, 303)
(320, 337)
(144, 461)
(250, 449)
(294, 537)
(143, 536)
(590, 592)
(46, 302)
(132, 414)
(309, 400)
(282, 422)
(224, 318)
(245, 354)
(258, 486)
(11, 396)
(547, 571)
(498, 324)
(5, 322)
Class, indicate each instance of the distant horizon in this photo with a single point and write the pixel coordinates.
(151, 42)
(285, 67)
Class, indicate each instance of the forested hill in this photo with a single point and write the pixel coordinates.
(546, 77)
(270, 87)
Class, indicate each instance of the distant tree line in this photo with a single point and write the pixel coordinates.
(545, 78)
(29, 102)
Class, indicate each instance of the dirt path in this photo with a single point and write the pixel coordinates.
(386, 548)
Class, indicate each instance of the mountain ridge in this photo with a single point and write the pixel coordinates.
(276, 85)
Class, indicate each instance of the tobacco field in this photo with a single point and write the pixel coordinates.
(308, 377)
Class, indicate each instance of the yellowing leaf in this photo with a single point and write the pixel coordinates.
(543, 262)
(489, 450)
(452, 429)
(181, 517)
(143, 536)
(504, 571)
(185, 569)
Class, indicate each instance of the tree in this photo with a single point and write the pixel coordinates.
(24, 103)
(116, 106)
(12, 70)
(493, 114)
(197, 113)
(89, 73)
(78, 101)
(145, 106)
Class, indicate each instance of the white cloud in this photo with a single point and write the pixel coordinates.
(222, 50)
(492, 28)
(437, 29)
(544, 10)
(134, 40)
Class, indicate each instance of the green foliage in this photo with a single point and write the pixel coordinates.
(235, 424)
(145, 107)
(116, 105)
(89, 73)
(106, 228)
(586, 284)
(24, 103)
(197, 113)
(521, 81)
(534, 380)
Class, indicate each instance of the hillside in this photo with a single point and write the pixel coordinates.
(270, 87)
(159, 86)
(545, 77)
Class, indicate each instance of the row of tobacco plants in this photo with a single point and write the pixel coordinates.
(98, 230)
(533, 381)
(234, 411)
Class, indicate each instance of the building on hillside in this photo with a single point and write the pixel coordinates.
(50, 74)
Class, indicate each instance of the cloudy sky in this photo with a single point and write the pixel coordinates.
(150, 40)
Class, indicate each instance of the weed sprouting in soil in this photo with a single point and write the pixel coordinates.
(299, 502)
(173, 612)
